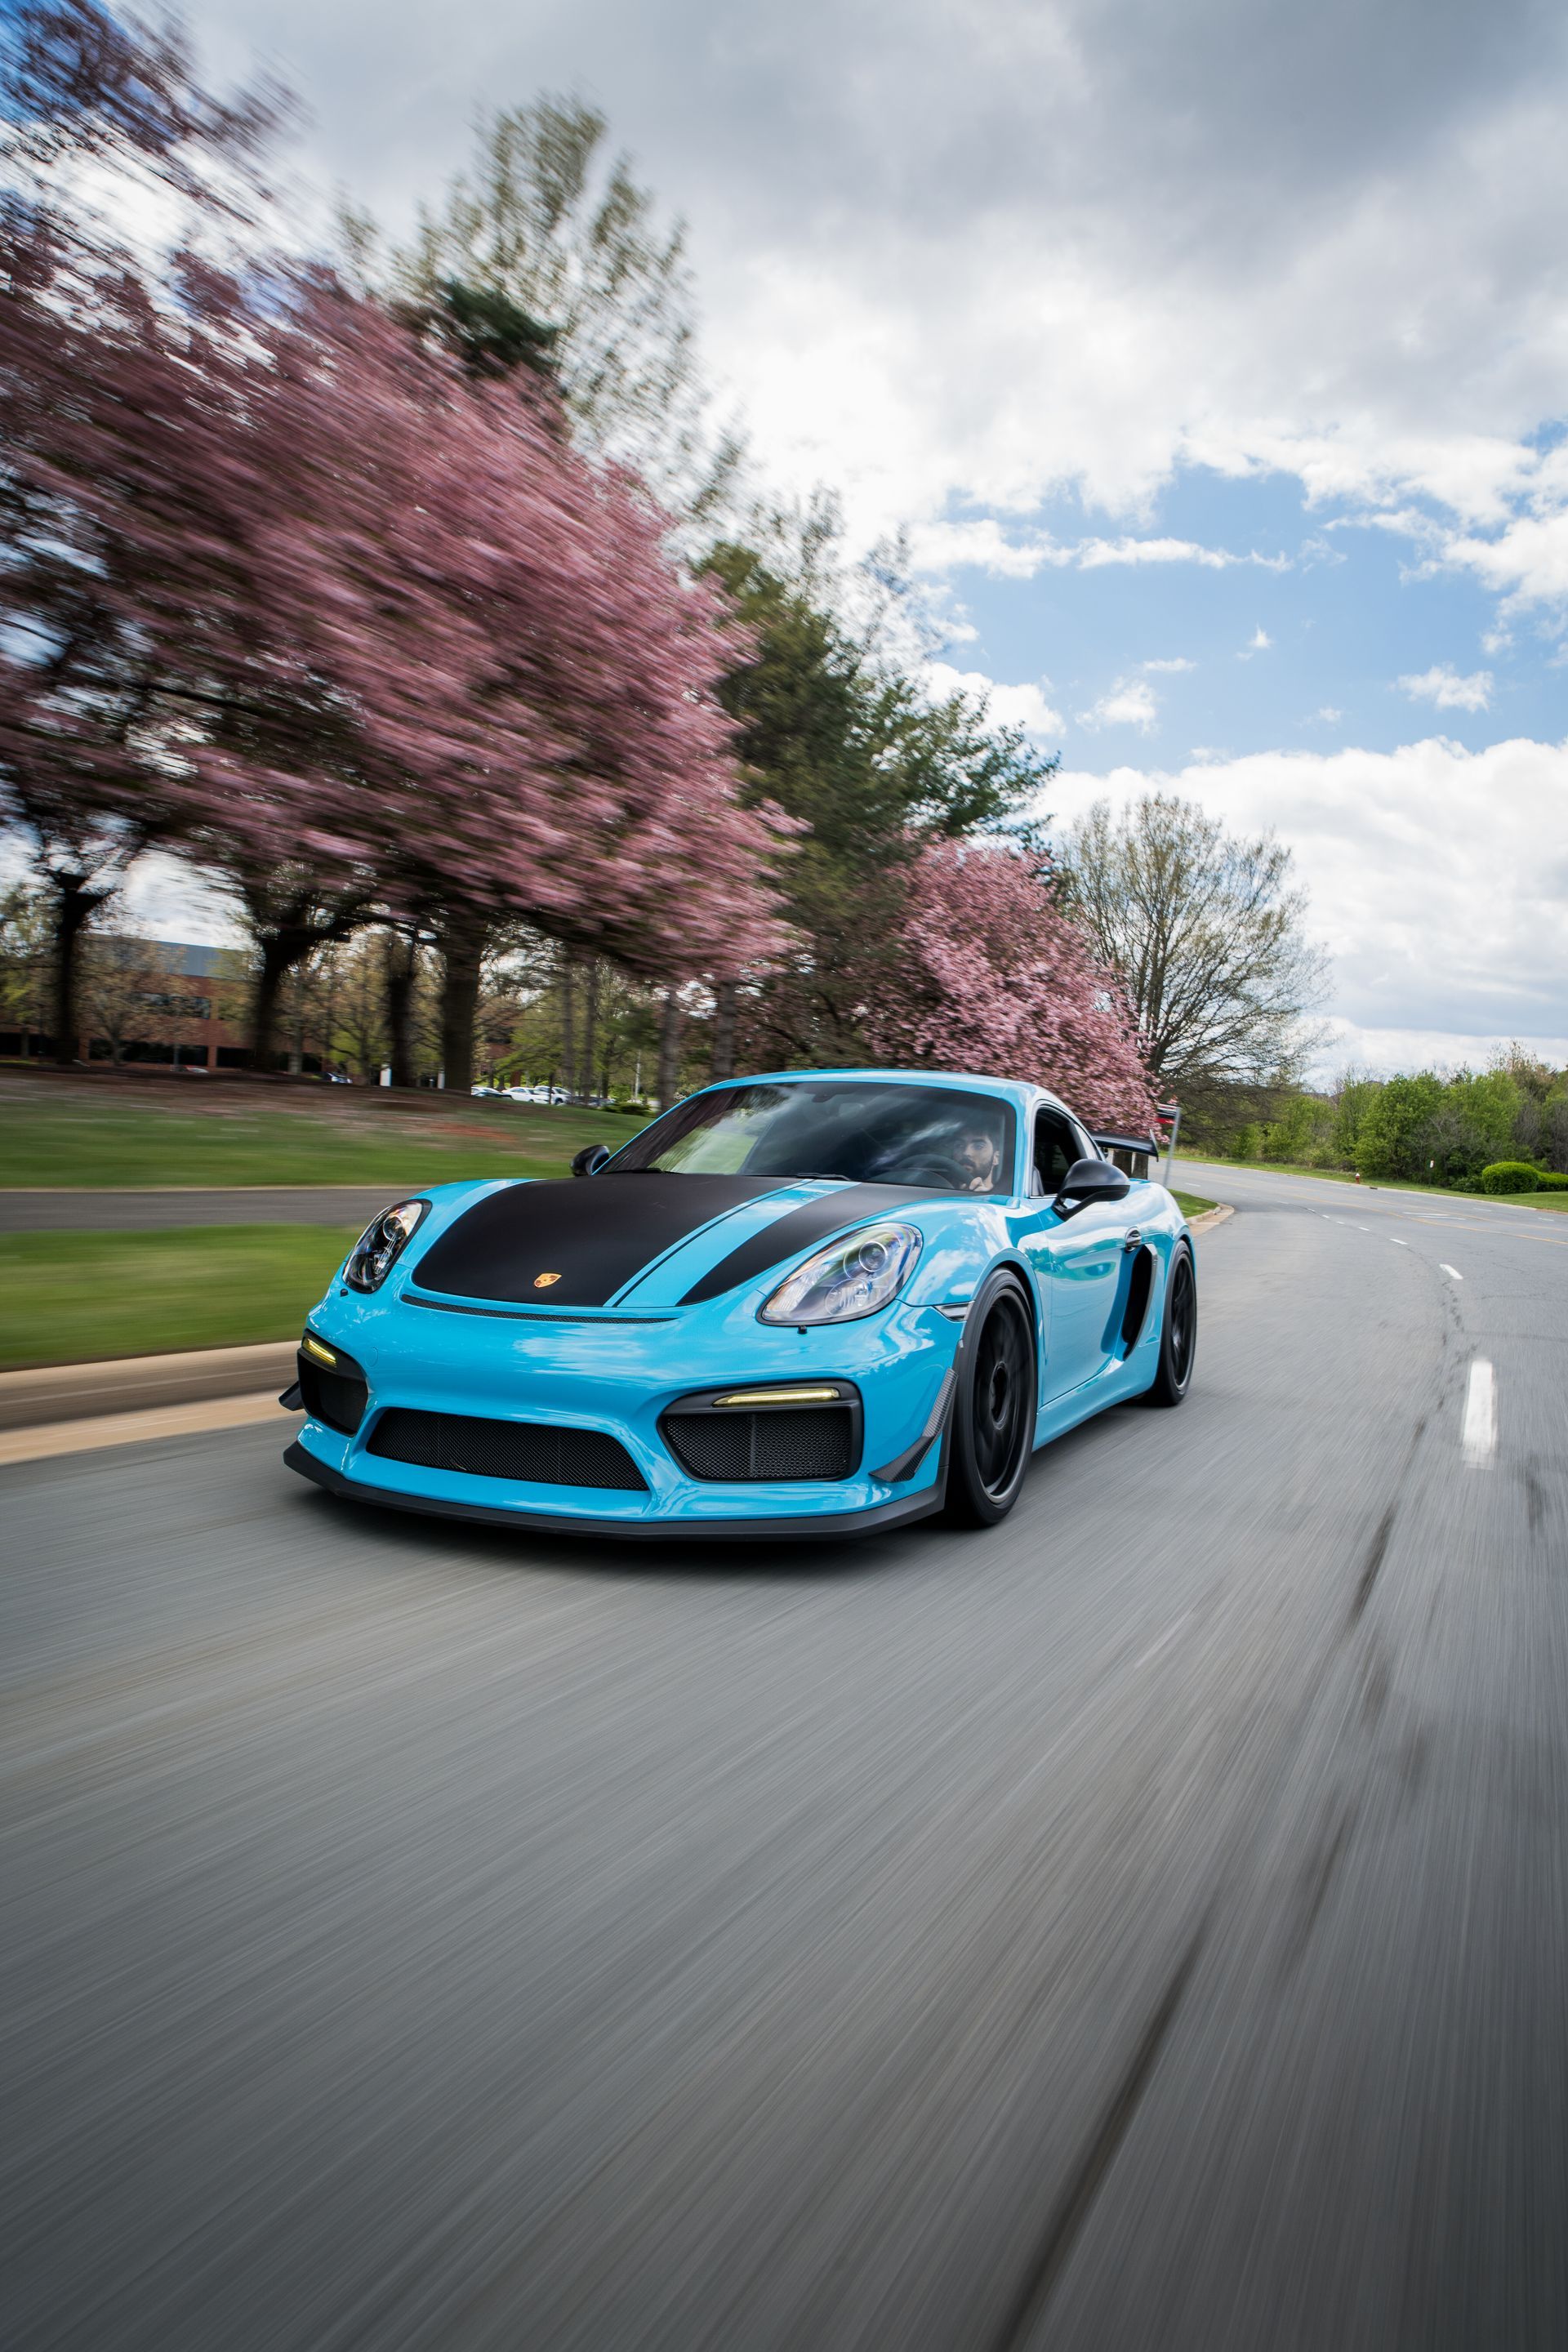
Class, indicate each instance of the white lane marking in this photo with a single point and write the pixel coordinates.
(1478, 1434)
(1397, 1242)
(1452, 1272)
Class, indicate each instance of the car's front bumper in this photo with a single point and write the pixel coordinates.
(618, 1376)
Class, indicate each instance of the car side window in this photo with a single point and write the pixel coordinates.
(1054, 1152)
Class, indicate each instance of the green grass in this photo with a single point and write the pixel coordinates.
(1192, 1204)
(1554, 1201)
(77, 1297)
(235, 1139)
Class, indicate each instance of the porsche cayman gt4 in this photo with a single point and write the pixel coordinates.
(824, 1302)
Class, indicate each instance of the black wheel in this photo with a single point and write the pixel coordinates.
(992, 1433)
(1178, 1333)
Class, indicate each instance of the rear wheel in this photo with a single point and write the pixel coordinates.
(1178, 1332)
(992, 1433)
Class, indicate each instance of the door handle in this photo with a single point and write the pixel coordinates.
(1135, 1240)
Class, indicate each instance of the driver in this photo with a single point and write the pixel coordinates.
(977, 1155)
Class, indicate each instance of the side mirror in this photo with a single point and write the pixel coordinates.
(1088, 1182)
(590, 1159)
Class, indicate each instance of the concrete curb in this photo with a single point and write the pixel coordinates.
(1211, 1217)
(67, 1393)
(44, 1442)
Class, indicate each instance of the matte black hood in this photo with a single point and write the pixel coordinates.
(596, 1234)
(593, 1232)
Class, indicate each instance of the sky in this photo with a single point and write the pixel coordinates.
(1214, 360)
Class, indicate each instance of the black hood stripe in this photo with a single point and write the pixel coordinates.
(795, 1232)
(596, 1234)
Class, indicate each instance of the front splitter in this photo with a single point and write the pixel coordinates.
(876, 1521)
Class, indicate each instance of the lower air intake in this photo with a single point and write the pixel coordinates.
(734, 1446)
(534, 1451)
(338, 1397)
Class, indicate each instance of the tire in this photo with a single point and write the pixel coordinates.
(990, 1435)
(1178, 1332)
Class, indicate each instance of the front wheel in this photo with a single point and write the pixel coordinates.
(1178, 1332)
(992, 1433)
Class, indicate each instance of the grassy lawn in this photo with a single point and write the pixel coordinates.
(1192, 1204)
(77, 1297)
(1554, 1201)
(76, 1140)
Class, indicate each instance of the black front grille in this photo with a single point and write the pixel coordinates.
(338, 1397)
(534, 1451)
(798, 1442)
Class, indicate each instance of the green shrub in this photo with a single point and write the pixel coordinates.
(1552, 1184)
(1510, 1176)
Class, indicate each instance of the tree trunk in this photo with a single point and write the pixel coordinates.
(462, 953)
(724, 996)
(669, 1050)
(569, 1026)
(281, 949)
(402, 965)
(75, 904)
(297, 1049)
(590, 1023)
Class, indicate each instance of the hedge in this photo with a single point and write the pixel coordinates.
(1510, 1176)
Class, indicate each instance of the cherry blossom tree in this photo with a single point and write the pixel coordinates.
(525, 675)
(88, 376)
(285, 581)
(993, 977)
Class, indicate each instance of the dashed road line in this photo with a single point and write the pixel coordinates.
(1478, 1433)
(1452, 1272)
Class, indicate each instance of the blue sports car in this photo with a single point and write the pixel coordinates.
(822, 1302)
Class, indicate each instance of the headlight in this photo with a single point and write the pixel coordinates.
(847, 1279)
(382, 1242)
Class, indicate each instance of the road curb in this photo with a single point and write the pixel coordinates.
(43, 1443)
(1216, 1216)
(60, 1393)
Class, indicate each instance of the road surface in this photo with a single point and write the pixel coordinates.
(1142, 1925)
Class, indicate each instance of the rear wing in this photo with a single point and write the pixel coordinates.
(1147, 1145)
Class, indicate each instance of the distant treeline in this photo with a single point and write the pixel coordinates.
(1453, 1129)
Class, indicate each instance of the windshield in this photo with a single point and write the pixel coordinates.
(890, 1134)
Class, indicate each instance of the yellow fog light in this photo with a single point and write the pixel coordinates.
(781, 1396)
(311, 1346)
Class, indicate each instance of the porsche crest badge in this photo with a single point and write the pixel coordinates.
(543, 1281)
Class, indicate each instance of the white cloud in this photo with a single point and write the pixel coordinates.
(1130, 703)
(1321, 242)
(1526, 565)
(1092, 553)
(1257, 643)
(1443, 684)
(1179, 662)
(1437, 877)
(980, 541)
(980, 544)
(1330, 716)
(1012, 705)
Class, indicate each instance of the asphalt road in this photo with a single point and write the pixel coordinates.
(1142, 1925)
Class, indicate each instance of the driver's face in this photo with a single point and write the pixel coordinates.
(977, 1156)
